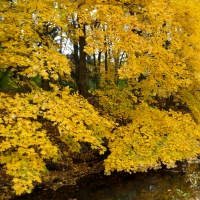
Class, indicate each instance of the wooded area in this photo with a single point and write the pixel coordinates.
(119, 76)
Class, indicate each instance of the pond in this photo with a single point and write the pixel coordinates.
(153, 185)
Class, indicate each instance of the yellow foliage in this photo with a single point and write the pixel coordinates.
(116, 103)
(153, 46)
(153, 138)
(24, 144)
(192, 100)
(169, 57)
(24, 35)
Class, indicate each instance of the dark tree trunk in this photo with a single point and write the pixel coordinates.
(82, 66)
(76, 63)
(169, 102)
(106, 57)
(116, 68)
(99, 67)
(75, 55)
(45, 84)
(99, 59)
(25, 88)
(96, 72)
(106, 62)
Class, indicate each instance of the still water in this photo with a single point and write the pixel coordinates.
(153, 185)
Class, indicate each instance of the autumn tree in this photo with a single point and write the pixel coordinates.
(145, 57)
(161, 70)
(160, 45)
(29, 51)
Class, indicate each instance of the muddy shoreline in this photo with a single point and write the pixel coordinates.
(70, 176)
(82, 183)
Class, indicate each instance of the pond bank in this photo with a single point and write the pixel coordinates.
(80, 176)
(153, 185)
(65, 172)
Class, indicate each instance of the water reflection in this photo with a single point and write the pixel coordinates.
(154, 185)
(158, 185)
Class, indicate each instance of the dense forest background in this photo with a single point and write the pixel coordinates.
(118, 76)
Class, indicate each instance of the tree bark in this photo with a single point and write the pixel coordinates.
(25, 88)
(82, 86)
(96, 72)
(106, 61)
(169, 102)
(45, 84)
(106, 56)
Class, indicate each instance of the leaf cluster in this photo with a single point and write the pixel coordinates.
(24, 143)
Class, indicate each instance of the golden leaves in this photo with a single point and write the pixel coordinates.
(166, 67)
(23, 30)
(160, 58)
(153, 137)
(24, 144)
(25, 140)
(118, 103)
(75, 118)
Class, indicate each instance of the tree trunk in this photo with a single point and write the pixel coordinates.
(99, 59)
(25, 88)
(82, 66)
(169, 102)
(99, 68)
(106, 56)
(106, 61)
(76, 63)
(75, 55)
(96, 77)
(45, 85)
